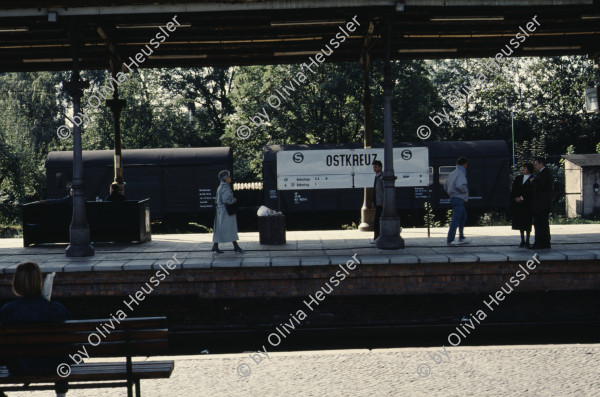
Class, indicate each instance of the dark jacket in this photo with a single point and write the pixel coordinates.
(115, 196)
(522, 215)
(33, 310)
(543, 191)
(378, 192)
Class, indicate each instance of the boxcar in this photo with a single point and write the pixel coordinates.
(487, 173)
(179, 182)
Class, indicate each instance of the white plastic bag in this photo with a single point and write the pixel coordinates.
(262, 211)
(265, 211)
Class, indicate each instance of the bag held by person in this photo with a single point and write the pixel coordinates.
(231, 208)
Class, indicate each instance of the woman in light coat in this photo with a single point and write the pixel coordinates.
(225, 228)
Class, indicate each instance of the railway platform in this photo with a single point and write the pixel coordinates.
(485, 371)
(413, 297)
(311, 258)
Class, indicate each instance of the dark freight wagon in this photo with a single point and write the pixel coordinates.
(180, 183)
(488, 175)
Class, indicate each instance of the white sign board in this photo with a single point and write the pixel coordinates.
(348, 168)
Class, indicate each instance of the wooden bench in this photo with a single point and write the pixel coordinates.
(109, 221)
(132, 337)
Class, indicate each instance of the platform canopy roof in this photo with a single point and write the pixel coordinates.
(37, 34)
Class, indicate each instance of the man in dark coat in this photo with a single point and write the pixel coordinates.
(378, 195)
(522, 200)
(542, 203)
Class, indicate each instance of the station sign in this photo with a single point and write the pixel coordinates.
(348, 168)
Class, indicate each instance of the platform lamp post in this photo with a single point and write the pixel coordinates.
(116, 105)
(79, 231)
(390, 221)
(512, 124)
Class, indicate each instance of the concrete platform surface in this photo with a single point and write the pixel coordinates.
(309, 248)
(524, 371)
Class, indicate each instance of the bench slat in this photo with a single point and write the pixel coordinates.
(131, 337)
(83, 325)
(80, 337)
(105, 349)
(98, 372)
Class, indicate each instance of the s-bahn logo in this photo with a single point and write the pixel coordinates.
(298, 157)
(406, 154)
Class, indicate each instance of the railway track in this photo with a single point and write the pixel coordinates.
(196, 341)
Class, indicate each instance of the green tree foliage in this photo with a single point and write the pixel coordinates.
(29, 116)
(415, 97)
(206, 106)
(290, 105)
(554, 99)
(528, 150)
(201, 99)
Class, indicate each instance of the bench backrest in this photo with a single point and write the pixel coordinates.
(109, 212)
(54, 214)
(97, 211)
(133, 336)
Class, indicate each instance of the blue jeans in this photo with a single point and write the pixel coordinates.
(459, 219)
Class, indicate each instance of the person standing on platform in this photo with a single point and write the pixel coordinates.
(522, 200)
(542, 187)
(225, 227)
(457, 188)
(114, 193)
(378, 197)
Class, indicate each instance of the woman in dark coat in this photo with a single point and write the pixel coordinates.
(522, 204)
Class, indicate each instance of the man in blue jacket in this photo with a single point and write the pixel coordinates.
(457, 188)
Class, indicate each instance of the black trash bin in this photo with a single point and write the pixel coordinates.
(271, 229)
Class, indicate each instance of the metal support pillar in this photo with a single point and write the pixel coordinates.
(116, 105)
(390, 221)
(79, 230)
(367, 212)
(368, 208)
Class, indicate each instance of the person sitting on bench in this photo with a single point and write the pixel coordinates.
(66, 199)
(31, 307)
(114, 193)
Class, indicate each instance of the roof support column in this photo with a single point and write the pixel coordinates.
(368, 208)
(116, 105)
(390, 221)
(79, 231)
